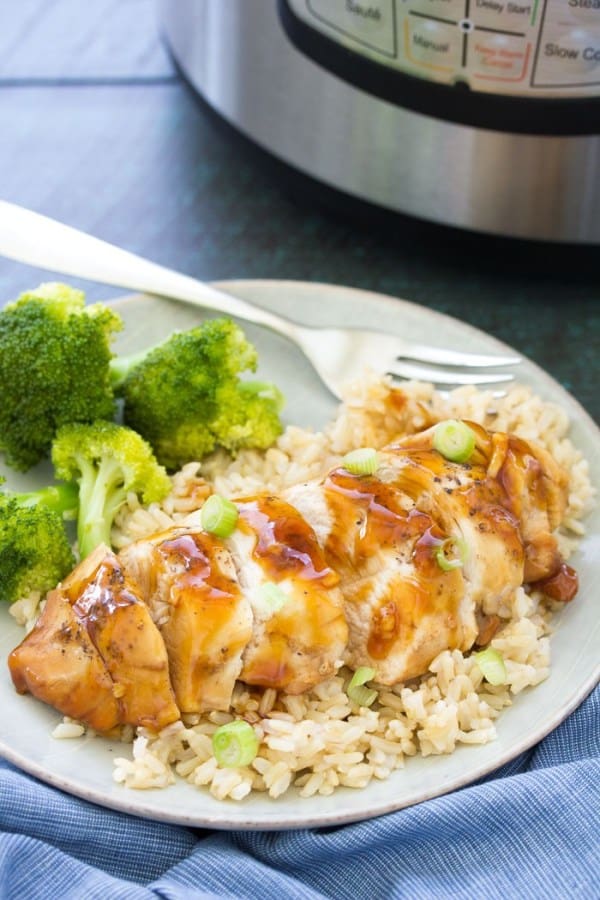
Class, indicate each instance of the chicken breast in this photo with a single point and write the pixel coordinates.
(402, 608)
(384, 570)
(58, 663)
(536, 491)
(299, 631)
(190, 583)
(108, 625)
(517, 475)
(468, 507)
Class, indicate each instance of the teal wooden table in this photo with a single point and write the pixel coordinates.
(99, 130)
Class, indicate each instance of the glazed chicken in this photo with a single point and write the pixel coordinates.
(299, 639)
(95, 653)
(206, 621)
(220, 623)
(402, 609)
(522, 477)
(350, 569)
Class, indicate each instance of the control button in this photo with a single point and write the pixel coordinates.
(520, 15)
(369, 23)
(447, 10)
(568, 57)
(499, 57)
(502, 15)
(432, 44)
(585, 12)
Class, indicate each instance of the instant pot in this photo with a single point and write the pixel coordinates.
(479, 114)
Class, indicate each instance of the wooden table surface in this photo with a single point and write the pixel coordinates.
(98, 130)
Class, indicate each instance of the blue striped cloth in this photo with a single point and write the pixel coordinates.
(529, 831)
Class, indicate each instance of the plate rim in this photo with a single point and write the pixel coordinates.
(205, 819)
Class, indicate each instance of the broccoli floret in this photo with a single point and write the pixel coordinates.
(35, 552)
(248, 415)
(107, 461)
(186, 398)
(54, 369)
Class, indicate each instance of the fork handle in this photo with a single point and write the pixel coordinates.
(42, 242)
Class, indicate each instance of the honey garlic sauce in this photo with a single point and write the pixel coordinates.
(536, 491)
(393, 583)
(121, 628)
(58, 663)
(300, 643)
(527, 482)
(520, 476)
(467, 503)
(368, 517)
(102, 596)
(209, 625)
(196, 556)
(454, 490)
(286, 545)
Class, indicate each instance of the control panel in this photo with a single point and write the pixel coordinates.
(524, 47)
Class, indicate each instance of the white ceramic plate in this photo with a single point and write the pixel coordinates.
(84, 766)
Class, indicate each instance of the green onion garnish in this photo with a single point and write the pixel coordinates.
(454, 440)
(364, 461)
(273, 595)
(219, 516)
(235, 744)
(452, 554)
(356, 691)
(491, 664)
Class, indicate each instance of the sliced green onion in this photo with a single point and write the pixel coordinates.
(452, 554)
(364, 461)
(219, 516)
(235, 744)
(356, 691)
(273, 595)
(491, 664)
(454, 440)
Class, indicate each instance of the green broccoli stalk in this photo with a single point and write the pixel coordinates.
(35, 553)
(54, 369)
(60, 498)
(185, 396)
(108, 461)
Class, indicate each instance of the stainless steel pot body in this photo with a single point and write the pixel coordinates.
(239, 57)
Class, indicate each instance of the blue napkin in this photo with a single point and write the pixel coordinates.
(531, 830)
